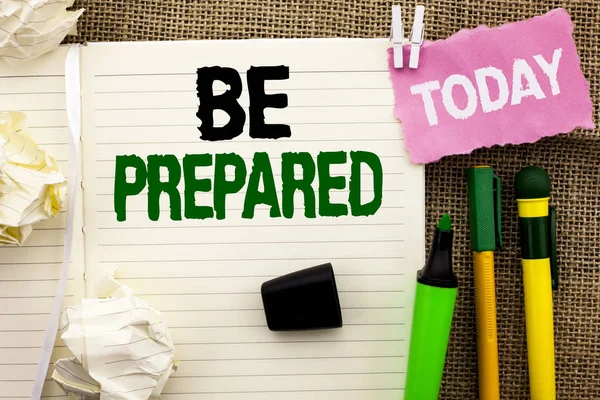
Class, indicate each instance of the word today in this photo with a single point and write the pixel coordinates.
(524, 83)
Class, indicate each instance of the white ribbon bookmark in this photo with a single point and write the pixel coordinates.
(73, 98)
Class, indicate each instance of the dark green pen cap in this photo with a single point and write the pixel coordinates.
(485, 213)
(532, 182)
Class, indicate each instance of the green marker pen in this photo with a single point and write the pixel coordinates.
(432, 318)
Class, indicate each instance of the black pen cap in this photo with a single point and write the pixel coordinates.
(302, 300)
(438, 269)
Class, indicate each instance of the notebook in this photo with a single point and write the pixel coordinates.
(328, 101)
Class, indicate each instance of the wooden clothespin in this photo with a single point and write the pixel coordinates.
(416, 37)
(397, 36)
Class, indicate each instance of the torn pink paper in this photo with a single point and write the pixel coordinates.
(513, 84)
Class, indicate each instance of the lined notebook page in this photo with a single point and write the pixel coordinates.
(29, 275)
(206, 274)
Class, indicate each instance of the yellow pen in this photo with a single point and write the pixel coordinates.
(537, 224)
(485, 225)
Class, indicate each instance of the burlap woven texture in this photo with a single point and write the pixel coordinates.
(572, 160)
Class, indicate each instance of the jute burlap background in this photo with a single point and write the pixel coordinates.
(572, 160)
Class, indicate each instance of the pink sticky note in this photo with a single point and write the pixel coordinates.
(513, 84)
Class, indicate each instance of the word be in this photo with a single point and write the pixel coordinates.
(228, 102)
(147, 174)
(521, 70)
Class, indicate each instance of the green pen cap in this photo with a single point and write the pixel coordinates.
(532, 182)
(435, 297)
(485, 214)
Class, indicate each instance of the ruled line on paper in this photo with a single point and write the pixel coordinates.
(250, 141)
(295, 123)
(7, 75)
(257, 293)
(287, 391)
(276, 375)
(242, 226)
(251, 309)
(234, 243)
(32, 347)
(43, 397)
(42, 109)
(242, 73)
(261, 276)
(296, 342)
(32, 263)
(196, 108)
(112, 160)
(265, 326)
(31, 94)
(298, 358)
(33, 280)
(279, 89)
(255, 259)
(48, 127)
(31, 297)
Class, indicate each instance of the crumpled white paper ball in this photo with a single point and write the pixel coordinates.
(121, 345)
(32, 188)
(30, 28)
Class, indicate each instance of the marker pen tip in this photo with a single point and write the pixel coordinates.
(445, 223)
